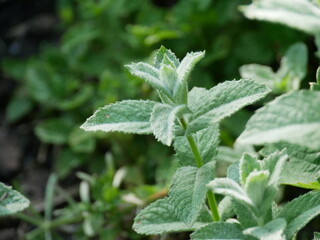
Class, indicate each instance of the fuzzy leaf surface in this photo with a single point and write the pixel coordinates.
(150, 74)
(213, 105)
(11, 201)
(219, 231)
(279, 121)
(132, 116)
(228, 187)
(163, 119)
(273, 230)
(188, 63)
(303, 167)
(294, 65)
(188, 191)
(159, 218)
(162, 52)
(207, 141)
(300, 211)
(258, 73)
(299, 14)
(256, 185)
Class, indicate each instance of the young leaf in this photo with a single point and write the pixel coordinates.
(169, 77)
(162, 52)
(211, 106)
(130, 116)
(163, 119)
(271, 231)
(300, 211)
(11, 201)
(159, 218)
(207, 141)
(219, 231)
(248, 164)
(300, 14)
(279, 121)
(188, 191)
(150, 74)
(188, 63)
(255, 187)
(274, 163)
(232, 189)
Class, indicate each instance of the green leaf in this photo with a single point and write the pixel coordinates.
(279, 121)
(273, 230)
(258, 73)
(162, 52)
(275, 163)
(188, 63)
(247, 165)
(130, 116)
(207, 141)
(219, 231)
(163, 118)
(55, 131)
(291, 72)
(188, 191)
(302, 169)
(293, 66)
(159, 218)
(169, 77)
(300, 211)
(150, 74)
(211, 106)
(11, 201)
(316, 236)
(299, 14)
(255, 187)
(228, 187)
(18, 107)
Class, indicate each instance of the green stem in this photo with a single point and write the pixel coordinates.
(195, 150)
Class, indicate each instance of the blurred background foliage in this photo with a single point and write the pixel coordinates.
(66, 79)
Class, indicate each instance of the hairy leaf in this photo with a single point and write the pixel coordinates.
(258, 73)
(188, 191)
(294, 65)
(188, 63)
(230, 188)
(255, 187)
(279, 121)
(219, 231)
(150, 74)
(302, 169)
(130, 116)
(300, 211)
(300, 14)
(207, 141)
(162, 52)
(211, 106)
(158, 218)
(271, 231)
(163, 119)
(247, 165)
(11, 201)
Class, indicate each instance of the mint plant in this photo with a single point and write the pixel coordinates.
(189, 120)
